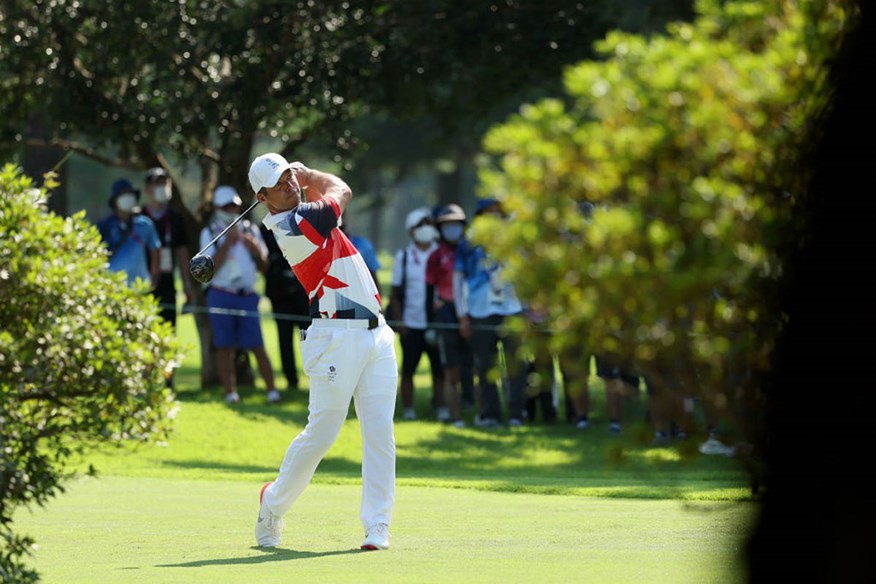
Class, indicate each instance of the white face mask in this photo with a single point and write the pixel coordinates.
(425, 234)
(161, 193)
(224, 216)
(126, 202)
(451, 231)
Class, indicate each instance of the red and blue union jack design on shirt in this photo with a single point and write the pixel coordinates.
(329, 267)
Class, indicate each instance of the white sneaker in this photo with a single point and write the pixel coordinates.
(515, 422)
(458, 424)
(269, 527)
(409, 414)
(274, 397)
(377, 538)
(232, 398)
(714, 446)
(442, 414)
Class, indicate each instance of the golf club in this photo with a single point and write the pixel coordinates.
(201, 266)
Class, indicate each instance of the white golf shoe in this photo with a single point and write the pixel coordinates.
(377, 538)
(269, 527)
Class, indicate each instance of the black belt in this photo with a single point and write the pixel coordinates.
(360, 323)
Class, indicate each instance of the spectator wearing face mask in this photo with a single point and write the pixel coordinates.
(174, 252)
(238, 257)
(407, 308)
(456, 354)
(484, 299)
(131, 239)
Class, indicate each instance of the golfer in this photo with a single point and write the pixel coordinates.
(348, 352)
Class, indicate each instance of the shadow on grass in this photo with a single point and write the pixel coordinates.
(269, 555)
(338, 466)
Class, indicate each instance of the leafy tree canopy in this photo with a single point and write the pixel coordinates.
(83, 358)
(690, 147)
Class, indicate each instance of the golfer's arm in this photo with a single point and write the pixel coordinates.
(319, 184)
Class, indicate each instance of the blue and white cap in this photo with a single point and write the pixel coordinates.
(266, 170)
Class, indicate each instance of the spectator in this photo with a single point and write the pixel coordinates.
(573, 364)
(131, 238)
(290, 305)
(174, 251)
(408, 309)
(540, 378)
(454, 351)
(483, 301)
(621, 382)
(575, 368)
(237, 256)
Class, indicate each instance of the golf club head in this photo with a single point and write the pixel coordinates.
(201, 268)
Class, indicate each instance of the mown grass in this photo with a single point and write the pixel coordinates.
(541, 503)
(247, 443)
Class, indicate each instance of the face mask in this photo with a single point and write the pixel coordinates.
(126, 202)
(451, 231)
(161, 193)
(224, 216)
(425, 234)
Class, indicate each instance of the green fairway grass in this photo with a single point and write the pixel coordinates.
(541, 503)
(142, 530)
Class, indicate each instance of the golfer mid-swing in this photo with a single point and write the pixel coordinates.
(347, 353)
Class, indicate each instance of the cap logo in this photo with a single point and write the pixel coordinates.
(273, 163)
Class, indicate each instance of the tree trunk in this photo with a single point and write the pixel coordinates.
(39, 160)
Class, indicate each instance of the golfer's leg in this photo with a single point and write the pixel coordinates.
(374, 400)
(302, 457)
(378, 458)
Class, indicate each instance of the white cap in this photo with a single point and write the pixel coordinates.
(417, 215)
(225, 194)
(265, 171)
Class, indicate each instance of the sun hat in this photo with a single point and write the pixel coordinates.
(155, 173)
(484, 204)
(416, 216)
(451, 212)
(120, 187)
(224, 194)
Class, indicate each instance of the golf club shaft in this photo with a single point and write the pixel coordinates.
(224, 231)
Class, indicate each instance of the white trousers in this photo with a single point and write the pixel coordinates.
(345, 364)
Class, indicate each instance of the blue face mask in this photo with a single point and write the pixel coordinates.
(451, 231)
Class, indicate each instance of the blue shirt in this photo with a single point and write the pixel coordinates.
(129, 243)
(366, 250)
(488, 293)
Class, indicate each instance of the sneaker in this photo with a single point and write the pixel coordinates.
(443, 414)
(269, 527)
(232, 398)
(713, 446)
(486, 422)
(582, 423)
(458, 424)
(614, 428)
(515, 422)
(273, 397)
(409, 414)
(377, 538)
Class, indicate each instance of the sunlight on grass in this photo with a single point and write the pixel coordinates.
(246, 443)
